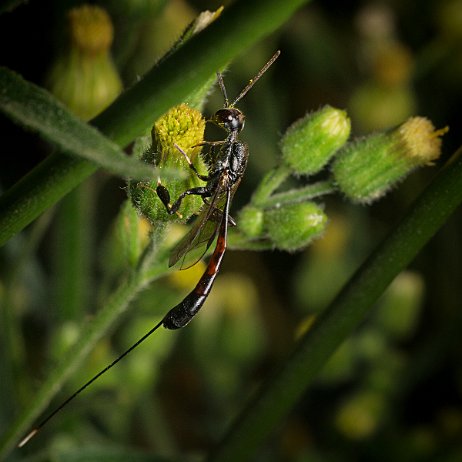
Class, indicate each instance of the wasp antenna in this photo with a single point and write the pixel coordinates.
(255, 79)
(33, 432)
(28, 437)
(222, 88)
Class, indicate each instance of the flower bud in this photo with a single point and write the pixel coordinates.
(91, 30)
(449, 20)
(310, 142)
(374, 106)
(84, 77)
(131, 236)
(294, 226)
(401, 306)
(366, 169)
(392, 64)
(184, 127)
(361, 414)
(251, 221)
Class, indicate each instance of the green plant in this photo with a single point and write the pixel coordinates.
(163, 87)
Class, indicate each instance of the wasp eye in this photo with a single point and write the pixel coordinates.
(231, 119)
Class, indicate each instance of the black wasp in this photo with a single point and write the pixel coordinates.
(222, 180)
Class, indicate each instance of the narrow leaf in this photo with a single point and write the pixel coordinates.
(37, 110)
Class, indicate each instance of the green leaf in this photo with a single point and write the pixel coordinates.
(37, 110)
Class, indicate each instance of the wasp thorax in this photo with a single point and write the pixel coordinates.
(231, 119)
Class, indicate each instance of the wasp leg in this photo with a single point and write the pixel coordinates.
(191, 165)
(164, 196)
(210, 143)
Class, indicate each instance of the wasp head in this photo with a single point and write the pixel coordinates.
(230, 119)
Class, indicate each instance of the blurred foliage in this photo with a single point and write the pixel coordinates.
(393, 391)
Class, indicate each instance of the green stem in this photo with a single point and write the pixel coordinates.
(237, 241)
(15, 380)
(278, 396)
(38, 190)
(299, 195)
(73, 252)
(167, 84)
(270, 182)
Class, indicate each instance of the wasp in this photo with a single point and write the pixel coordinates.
(222, 180)
(223, 177)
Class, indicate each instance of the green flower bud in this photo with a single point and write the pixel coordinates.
(361, 414)
(311, 142)
(184, 127)
(126, 241)
(401, 305)
(375, 106)
(449, 20)
(91, 29)
(84, 77)
(392, 64)
(366, 169)
(251, 221)
(294, 226)
(132, 235)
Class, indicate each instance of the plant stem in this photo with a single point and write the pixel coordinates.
(73, 252)
(38, 190)
(281, 392)
(270, 182)
(237, 241)
(299, 195)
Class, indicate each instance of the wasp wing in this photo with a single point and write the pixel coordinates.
(203, 231)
